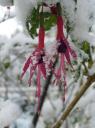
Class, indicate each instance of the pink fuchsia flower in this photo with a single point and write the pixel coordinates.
(62, 43)
(36, 61)
(64, 51)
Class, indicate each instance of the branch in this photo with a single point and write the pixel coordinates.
(42, 99)
(77, 97)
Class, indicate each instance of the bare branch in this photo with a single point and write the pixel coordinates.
(77, 97)
(42, 99)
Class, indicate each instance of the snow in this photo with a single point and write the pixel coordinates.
(14, 40)
(92, 70)
(5, 2)
(81, 18)
(48, 112)
(23, 9)
(9, 27)
(41, 123)
(9, 112)
(27, 122)
(86, 98)
(1, 12)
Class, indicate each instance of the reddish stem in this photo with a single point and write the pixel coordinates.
(41, 38)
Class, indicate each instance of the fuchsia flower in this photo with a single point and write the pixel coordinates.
(64, 51)
(36, 61)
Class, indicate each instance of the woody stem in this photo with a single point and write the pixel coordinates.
(77, 97)
(59, 9)
(41, 18)
(42, 99)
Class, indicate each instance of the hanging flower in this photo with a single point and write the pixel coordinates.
(36, 61)
(64, 51)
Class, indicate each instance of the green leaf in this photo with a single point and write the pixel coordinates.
(52, 19)
(47, 25)
(50, 22)
(46, 14)
(32, 22)
(7, 65)
(34, 19)
(86, 49)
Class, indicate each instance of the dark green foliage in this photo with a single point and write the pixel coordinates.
(34, 19)
(7, 65)
(86, 48)
(49, 22)
(32, 22)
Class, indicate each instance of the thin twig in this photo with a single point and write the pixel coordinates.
(77, 97)
(42, 99)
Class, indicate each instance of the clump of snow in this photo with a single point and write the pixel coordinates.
(2, 13)
(88, 97)
(41, 123)
(92, 70)
(6, 13)
(27, 119)
(83, 18)
(5, 2)
(48, 112)
(9, 27)
(23, 8)
(12, 11)
(51, 109)
(9, 112)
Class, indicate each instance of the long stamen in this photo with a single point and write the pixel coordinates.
(38, 82)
